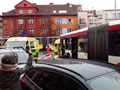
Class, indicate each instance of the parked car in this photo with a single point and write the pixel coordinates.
(22, 55)
(70, 75)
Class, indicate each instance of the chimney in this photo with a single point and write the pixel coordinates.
(51, 4)
(68, 4)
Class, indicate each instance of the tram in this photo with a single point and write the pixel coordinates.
(100, 43)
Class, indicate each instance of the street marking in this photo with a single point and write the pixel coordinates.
(47, 57)
(42, 57)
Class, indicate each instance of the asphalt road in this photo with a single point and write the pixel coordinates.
(52, 56)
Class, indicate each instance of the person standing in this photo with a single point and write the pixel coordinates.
(48, 50)
(10, 74)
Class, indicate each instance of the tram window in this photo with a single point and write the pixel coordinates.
(67, 46)
(117, 43)
(82, 46)
(118, 35)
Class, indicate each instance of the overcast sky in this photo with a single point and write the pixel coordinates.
(7, 5)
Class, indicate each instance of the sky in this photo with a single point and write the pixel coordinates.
(7, 5)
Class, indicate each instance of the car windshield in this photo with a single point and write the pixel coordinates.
(106, 82)
(15, 44)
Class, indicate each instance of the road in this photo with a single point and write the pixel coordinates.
(43, 56)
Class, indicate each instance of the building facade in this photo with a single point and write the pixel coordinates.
(30, 19)
(0, 27)
(96, 17)
(110, 15)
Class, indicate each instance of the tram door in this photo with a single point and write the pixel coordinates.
(74, 47)
(44, 41)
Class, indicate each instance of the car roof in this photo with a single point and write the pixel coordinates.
(86, 70)
(20, 39)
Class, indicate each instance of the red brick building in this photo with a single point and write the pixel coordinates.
(28, 19)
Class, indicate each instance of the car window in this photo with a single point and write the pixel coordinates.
(70, 84)
(31, 74)
(54, 80)
(106, 82)
(32, 44)
(47, 80)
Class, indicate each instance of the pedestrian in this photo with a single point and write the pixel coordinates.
(10, 74)
(48, 49)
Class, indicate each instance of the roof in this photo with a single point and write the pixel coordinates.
(67, 9)
(86, 70)
(75, 33)
(20, 39)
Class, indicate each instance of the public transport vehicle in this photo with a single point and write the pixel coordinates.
(100, 43)
(44, 41)
(2, 41)
(25, 43)
(56, 46)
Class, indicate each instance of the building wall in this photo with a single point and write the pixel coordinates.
(64, 26)
(11, 27)
(0, 27)
(110, 15)
(97, 17)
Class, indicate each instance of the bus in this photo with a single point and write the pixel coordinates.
(100, 43)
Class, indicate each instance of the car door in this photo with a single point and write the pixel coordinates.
(69, 83)
(52, 79)
(47, 80)
(29, 84)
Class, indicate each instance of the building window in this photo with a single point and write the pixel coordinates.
(5, 21)
(99, 23)
(106, 15)
(6, 31)
(43, 21)
(32, 31)
(29, 11)
(21, 31)
(64, 21)
(69, 21)
(58, 21)
(25, 4)
(58, 31)
(44, 31)
(100, 16)
(20, 21)
(82, 21)
(118, 15)
(91, 21)
(69, 30)
(20, 11)
(31, 21)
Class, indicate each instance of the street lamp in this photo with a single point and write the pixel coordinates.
(115, 10)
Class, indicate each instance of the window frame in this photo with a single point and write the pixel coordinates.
(44, 21)
(44, 31)
(20, 11)
(70, 21)
(61, 74)
(31, 31)
(31, 21)
(58, 30)
(21, 31)
(30, 11)
(20, 21)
